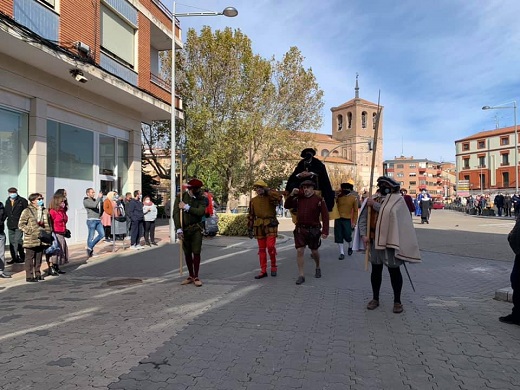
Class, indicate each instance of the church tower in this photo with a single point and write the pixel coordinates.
(353, 124)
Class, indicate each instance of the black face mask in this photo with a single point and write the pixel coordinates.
(385, 190)
(346, 191)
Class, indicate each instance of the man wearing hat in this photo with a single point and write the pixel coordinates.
(310, 168)
(14, 205)
(392, 238)
(263, 225)
(347, 202)
(192, 204)
(308, 230)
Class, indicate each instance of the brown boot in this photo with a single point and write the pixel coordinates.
(372, 304)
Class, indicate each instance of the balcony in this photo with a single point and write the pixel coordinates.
(38, 18)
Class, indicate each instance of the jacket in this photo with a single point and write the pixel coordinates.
(135, 210)
(150, 212)
(59, 220)
(2, 217)
(194, 215)
(92, 207)
(13, 212)
(28, 224)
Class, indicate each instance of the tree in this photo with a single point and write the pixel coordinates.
(244, 116)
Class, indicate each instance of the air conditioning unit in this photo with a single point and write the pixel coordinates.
(82, 47)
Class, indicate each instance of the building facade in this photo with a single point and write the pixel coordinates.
(416, 175)
(486, 161)
(77, 80)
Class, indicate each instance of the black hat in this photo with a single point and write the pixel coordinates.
(308, 183)
(347, 186)
(307, 151)
(389, 181)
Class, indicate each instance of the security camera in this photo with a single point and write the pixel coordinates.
(78, 75)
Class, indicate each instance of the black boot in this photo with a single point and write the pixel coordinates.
(57, 269)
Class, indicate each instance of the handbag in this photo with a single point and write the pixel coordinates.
(55, 248)
(67, 234)
(45, 237)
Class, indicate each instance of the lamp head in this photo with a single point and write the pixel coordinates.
(486, 107)
(230, 12)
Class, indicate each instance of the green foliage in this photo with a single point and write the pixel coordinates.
(232, 224)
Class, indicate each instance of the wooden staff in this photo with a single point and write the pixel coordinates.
(374, 149)
(181, 211)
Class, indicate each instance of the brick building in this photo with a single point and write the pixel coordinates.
(77, 80)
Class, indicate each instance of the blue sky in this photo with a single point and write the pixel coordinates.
(436, 63)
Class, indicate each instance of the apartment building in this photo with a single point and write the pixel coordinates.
(486, 160)
(416, 175)
(77, 80)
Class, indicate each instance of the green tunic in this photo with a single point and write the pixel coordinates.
(192, 226)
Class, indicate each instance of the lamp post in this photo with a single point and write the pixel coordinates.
(506, 106)
(229, 12)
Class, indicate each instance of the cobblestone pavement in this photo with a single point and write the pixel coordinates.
(122, 321)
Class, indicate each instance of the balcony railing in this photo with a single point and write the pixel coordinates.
(38, 18)
(160, 82)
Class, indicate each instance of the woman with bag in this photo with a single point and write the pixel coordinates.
(59, 218)
(109, 204)
(150, 215)
(34, 223)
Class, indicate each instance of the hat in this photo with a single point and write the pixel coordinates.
(347, 186)
(389, 181)
(350, 181)
(260, 183)
(308, 150)
(308, 183)
(12, 190)
(194, 183)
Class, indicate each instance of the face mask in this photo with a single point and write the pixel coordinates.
(116, 197)
(12, 196)
(40, 203)
(385, 190)
(346, 191)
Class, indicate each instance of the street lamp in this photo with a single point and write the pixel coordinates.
(505, 106)
(229, 12)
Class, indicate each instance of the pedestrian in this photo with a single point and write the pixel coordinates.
(94, 225)
(310, 168)
(409, 201)
(136, 215)
(126, 203)
(109, 207)
(263, 225)
(192, 205)
(507, 205)
(499, 203)
(3, 275)
(308, 230)
(514, 242)
(347, 202)
(58, 220)
(14, 205)
(33, 220)
(425, 204)
(392, 238)
(150, 215)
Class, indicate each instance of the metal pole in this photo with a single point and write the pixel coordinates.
(173, 186)
(516, 149)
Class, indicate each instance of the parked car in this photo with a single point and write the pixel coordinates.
(438, 204)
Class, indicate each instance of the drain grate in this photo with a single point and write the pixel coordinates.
(124, 282)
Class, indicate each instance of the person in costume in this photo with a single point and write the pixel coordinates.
(392, 238)
(310, 168)
(308, 230)
(425, 204)
(192, 204)
(263, 225)
(347, 202)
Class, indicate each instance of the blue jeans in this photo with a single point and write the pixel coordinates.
(94, 225)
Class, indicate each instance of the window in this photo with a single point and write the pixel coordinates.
(324, 153)
(465, 163)
(14, 142)
(374, 117)
(69, 151)
(505, 179)
(50, 3)
(412, 174)
(413, 183)
(400, 174)
(504, 140)
(465, 146)
(349, 120)
(340, 122)
(122, 166)
(505, 159)
(481, 144)
(364, 119)
(107, 155)
(400, 166)
(411, 166)
(482, 162)
(117, 37)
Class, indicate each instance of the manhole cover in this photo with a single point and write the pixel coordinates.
(123, 282)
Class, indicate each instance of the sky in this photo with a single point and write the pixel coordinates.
(435, 63)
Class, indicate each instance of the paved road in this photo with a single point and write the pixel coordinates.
(80, 331)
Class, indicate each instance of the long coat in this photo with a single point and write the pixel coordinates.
(28, 224)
